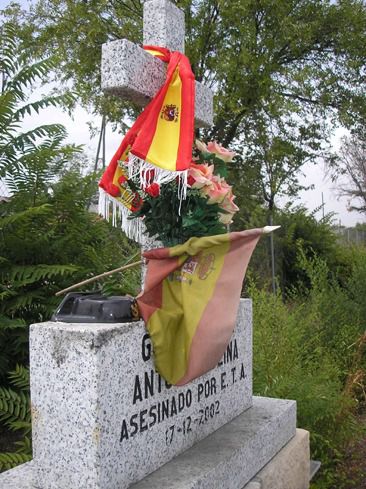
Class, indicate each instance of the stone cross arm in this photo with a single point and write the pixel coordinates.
(130, 72)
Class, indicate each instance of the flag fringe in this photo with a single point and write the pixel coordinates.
(110, 208)
(141, 171)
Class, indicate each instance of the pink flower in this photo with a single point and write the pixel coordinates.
(200, 175)
(217, 191)
(201, 146)
(228, 203)
(229, 206)
(221, 152)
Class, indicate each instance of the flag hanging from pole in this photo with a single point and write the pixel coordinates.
(191, 298)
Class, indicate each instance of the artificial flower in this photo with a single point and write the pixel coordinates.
(153, 190)
(201, 146)
(122, 179)
(226, 218)
(221, 152)
(201, 174)
(217, 190)
(228, 203)
(229, 206)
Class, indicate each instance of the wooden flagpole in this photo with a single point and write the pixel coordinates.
(97, 277)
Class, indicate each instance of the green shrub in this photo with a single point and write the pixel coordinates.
(312, 349)
(15, 414)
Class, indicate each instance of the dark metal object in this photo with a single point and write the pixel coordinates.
(90, 307)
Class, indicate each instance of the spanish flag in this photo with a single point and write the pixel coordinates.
(161, 139)
(191, 298)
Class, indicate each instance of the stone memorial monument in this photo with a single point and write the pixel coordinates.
(103, 418)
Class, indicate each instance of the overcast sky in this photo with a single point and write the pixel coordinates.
(78, 131)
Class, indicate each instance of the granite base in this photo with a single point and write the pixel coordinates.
(227, 459)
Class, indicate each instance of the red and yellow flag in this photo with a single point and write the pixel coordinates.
(162, 135)
(190, 301)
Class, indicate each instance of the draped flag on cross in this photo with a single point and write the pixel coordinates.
(190, 301)
(158, 146)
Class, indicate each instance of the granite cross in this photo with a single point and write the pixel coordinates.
(130, 72)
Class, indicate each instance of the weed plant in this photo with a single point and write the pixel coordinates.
(311, 348)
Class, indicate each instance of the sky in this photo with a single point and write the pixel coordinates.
(78, 132)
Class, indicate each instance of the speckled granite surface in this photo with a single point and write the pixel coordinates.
(164, 25)
(22, 477)
(227, 459)
(103, 418)
(231, 456)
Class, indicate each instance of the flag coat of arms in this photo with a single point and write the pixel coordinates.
(190, 301)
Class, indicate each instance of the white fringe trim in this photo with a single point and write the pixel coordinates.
(140, 170)
(133, 228)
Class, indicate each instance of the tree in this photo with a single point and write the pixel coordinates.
(48, 238)
(25, 156)
(349, 170)
(284, 73)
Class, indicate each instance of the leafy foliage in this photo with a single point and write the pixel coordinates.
(25, 157)
(284, 74)
(48, 237)
(301, 234)
(196, 217)
(314, 351)
(15, 413)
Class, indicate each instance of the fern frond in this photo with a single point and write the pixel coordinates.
(51, 101)
(20, 377)
(14, 407)
(29, 274)
(25, 426)
(24, 301)
(25, 445)
(30, 213)
(8, 460)
(30, 73)
(47, 130)
(6, 294)
(7, 324)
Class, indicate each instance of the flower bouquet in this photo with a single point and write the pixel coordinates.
(205, 209)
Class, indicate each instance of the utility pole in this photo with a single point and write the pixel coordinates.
(101, 144)
(272, 256)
